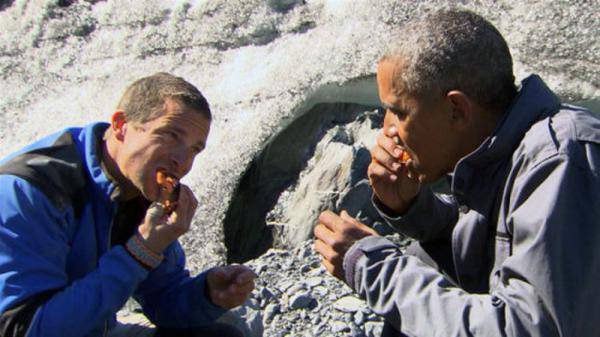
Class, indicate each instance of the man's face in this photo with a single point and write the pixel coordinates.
(169, 142)
(424, 126)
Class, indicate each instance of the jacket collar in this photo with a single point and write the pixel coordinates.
(533, 102)
(104, 188)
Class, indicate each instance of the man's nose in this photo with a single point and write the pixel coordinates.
(181, 162)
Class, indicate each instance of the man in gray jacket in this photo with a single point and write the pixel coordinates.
(514, 250)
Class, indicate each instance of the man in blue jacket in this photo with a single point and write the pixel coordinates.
(513, 249)
(83, 225)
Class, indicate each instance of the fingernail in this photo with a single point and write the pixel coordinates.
(393, 177)
(395, 166)
(397, 152)
(392, 129)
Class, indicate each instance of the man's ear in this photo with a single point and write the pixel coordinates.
(462, 108)
(118, 125)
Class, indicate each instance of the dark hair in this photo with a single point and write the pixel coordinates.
(455, 50)
(144, 99)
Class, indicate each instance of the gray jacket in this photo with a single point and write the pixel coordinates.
(514, 250)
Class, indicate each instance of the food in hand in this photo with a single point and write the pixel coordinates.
(169, 191)
(405, 157)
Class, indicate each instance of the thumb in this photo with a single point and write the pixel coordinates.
(219, 275)
(344, 215)
(154, 213)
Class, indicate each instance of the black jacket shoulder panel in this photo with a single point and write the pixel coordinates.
(58, 171)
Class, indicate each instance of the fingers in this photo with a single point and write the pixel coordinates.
(154, 214)
(377, 172)
(187, 199)
(330, 220)
(324, 234)
(357, 226)
(382, 156)
(233, 274)
(245, 275)
(230, 285)
(186, 208)
(388, 144)
(327, 252)
(345, 216)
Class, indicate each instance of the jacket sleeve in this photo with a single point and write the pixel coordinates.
(36, 296)
(430, 218)
(171, 298)
(546, 287)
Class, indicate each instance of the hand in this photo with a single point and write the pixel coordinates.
(392, 182)
(230, 286)
(159, 230)
(334, 235)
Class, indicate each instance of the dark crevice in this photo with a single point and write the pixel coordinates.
(4, 4)
(272, 171)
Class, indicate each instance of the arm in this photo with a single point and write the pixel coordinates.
(171, 298)
(36, 295)
(545, 288)
(397, 194)
(431, 216)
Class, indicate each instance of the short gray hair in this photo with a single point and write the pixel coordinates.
(144, 99)
(454, 50)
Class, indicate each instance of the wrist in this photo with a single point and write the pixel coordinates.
(148, 237)
(137, 248)
(391, 209)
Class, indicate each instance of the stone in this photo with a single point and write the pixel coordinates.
(338, 326)
(349, 304)
(300, 301)
(270, 311)
(266, 293)
(373, 329)
(359, 318)
(320, 290)
(314, 281)
(296, 288)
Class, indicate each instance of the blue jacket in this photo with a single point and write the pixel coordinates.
(59, 275)
(514, 250)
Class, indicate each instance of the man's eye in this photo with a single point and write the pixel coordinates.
(398, 112)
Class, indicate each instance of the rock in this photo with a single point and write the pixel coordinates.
(298, 287)
(319, 330)
(373, 329)
(300, 301)
(270, 311)
(266, 293)
(357, 331)
(320, 290)
(249, 321)
(314, 281)
(349, 304)
(359, 318)
(261, 269)
(283, 286)
(337, 327)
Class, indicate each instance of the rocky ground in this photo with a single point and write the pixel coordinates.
(294, 296)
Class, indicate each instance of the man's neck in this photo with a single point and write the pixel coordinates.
(108, 154)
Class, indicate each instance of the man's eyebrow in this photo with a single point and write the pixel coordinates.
(392, 108)
(387, 106)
